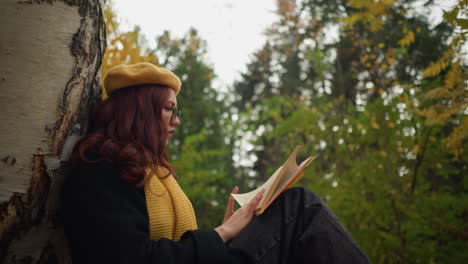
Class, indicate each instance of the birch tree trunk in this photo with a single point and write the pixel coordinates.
(50, 59)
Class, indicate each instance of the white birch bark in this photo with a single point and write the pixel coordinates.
(50, 58)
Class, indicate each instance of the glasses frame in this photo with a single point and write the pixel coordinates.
(175, 112)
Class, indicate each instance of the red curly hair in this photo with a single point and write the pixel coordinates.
(127, 131)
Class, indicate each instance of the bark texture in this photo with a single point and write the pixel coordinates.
(51, 54)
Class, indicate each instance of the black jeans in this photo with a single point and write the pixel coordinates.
(297, 228)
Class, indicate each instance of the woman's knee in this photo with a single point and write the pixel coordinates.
(309, 197)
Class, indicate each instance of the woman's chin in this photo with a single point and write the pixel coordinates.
(168, 138)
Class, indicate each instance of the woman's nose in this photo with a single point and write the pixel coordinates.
(175, 121)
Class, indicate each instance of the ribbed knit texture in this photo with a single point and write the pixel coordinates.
(170, 212)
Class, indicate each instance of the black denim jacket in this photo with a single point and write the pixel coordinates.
(106, 221)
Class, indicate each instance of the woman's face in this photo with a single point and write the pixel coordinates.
(166, 114)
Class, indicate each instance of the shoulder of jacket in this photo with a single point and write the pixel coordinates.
(96, 172)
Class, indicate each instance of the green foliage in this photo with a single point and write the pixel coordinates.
(202, 178)
(445, 104)
(370, 172)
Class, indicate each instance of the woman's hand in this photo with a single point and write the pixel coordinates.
(235, 221)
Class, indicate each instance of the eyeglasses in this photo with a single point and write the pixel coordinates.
(175, 112)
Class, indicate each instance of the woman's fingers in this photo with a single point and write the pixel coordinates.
(256, 200)
(239, 219)
(230, 205)
(247, 210)
(231, 199)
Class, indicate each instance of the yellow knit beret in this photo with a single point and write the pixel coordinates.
(122, 76)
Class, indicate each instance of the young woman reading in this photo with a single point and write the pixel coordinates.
(122, 202)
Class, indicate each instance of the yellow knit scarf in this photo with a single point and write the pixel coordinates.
(170, 211)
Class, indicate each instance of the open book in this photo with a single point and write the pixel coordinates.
(285, 176)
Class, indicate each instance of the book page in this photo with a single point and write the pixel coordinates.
(246, 197)
(301, 168)
(271, 184)
(285, 184)
(283, 177)
(291, 172)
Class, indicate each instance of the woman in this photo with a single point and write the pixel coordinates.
(122, 203)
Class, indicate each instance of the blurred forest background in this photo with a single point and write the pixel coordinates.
(384, 102)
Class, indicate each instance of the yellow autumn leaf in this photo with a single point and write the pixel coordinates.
(436, 67)
(364, 58)
(415, 149)
(407, 40)
(376, 25)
